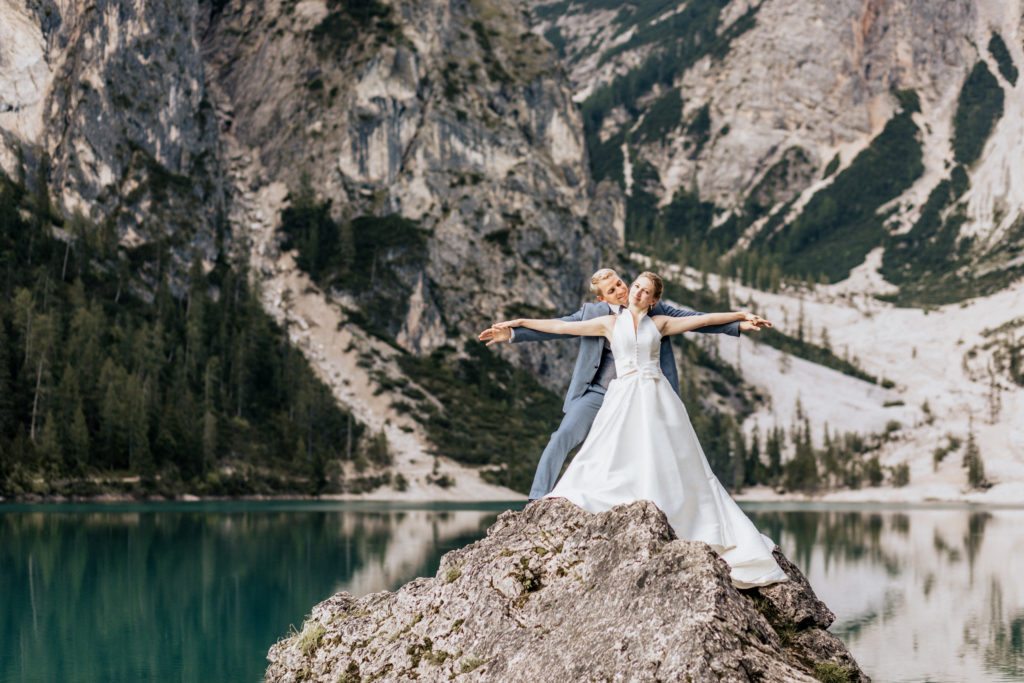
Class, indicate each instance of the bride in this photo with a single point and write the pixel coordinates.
(643, 447)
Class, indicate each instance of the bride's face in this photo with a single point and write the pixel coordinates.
(642, 293)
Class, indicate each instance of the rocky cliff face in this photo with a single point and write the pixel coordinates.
(720, 98)
(185, 128)
(111, 100)
(453, 116)
(159, 118)
(554, 592)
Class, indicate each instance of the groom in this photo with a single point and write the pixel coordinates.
(595, 368)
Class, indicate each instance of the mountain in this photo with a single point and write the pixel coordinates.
(847, 169)
(378, 181)
(421, 163)
(803, 135)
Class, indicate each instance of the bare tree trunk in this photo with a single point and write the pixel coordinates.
(35, 400)
(28, 335)
(348, 445)
(67, 250)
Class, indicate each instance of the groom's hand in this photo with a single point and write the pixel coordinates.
(493, 335)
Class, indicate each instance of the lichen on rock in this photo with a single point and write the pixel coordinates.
(557, 593)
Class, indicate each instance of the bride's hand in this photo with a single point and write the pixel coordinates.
(753, 323)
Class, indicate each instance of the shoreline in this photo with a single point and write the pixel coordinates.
(1009, 495)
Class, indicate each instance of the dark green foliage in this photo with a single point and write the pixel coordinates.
(901, 474)
(692, 27)
(718, 431)
(669, 231)
(488, 404)
(499, 237)
(683, 231)
(682, 37)
(930, 246)
(832, 166)
(801, 471)
(974, 465)
(784, 179)
(933, 264)
(643, 218)
(552, 11)
(812, 352)
(606, 158)
(979, 107)
(554, 36)
(687, 216)
(97, 381)
(493, 413)
(909, 100)
(322, 247)
(699, 129)
(840, 223)
(873, 471)
(370, 256)
(346, 20)
(997, 48)
(661, 118)
(495, 71)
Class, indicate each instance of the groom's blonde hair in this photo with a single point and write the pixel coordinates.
(600, 276)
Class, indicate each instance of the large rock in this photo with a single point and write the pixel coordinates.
(557, 593)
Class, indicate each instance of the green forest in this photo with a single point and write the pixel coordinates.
(110, 386)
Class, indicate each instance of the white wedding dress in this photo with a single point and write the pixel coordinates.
(643, 447)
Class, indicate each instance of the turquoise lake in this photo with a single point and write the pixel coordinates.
(199, 591)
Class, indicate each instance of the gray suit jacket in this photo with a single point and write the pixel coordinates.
(589, 358)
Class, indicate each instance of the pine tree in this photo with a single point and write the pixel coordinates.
(77, 439)
(739, 459)
(973, 462)
(209, 440)
(773, 449)
(6, 388)
(802, 470)
(139, 453)
(49, 445)
(113, 418)
(757, 473)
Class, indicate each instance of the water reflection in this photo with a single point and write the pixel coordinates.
(176, 594)
(200, 592)
(919, 594)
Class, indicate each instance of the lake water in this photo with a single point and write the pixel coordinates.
(199, 591)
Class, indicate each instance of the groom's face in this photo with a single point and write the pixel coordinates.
(614, 291)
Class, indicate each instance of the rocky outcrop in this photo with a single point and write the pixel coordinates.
(557, 593)
(790, 73)
(157, 119)
(453, 116)
(111, 101)
(177, 129)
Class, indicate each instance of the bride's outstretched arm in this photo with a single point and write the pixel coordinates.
(595, 327)
(668, 325)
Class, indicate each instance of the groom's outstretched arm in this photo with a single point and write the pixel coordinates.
(732, 329)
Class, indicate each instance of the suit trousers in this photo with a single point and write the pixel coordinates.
(570, 433)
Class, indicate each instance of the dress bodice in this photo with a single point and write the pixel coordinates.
(639, 351)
